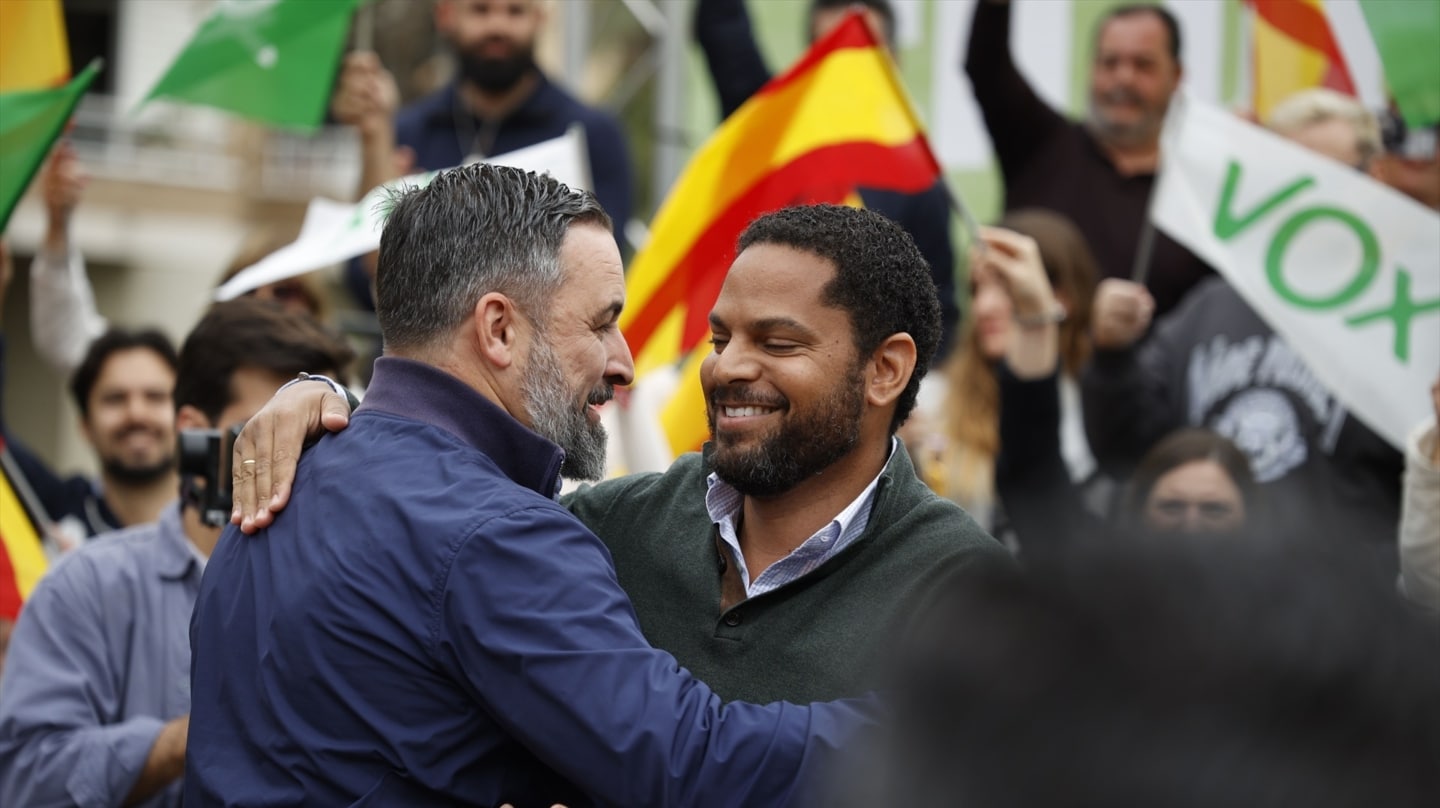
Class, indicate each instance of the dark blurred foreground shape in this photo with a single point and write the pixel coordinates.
(1197, 671)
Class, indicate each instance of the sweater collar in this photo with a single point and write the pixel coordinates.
(421, 392)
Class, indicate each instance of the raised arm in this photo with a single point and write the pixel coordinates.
(63, 317)
(1124, 390)
(722, 27)
(1018, 120)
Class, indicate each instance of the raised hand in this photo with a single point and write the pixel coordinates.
(1120, 314)
(267, 451)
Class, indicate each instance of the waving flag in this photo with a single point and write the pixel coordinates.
(22, 560)
(273, 61)
(1294, 49)
(1345, 269)
(33, 52)
(30, 121)
(1407, 35)
(838, 119)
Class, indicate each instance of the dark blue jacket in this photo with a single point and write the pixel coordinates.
(443, 132)
(426, 625)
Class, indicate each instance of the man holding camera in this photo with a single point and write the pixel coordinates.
(95, 702)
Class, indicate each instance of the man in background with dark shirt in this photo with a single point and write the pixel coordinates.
(500, 101)
(1099, 172)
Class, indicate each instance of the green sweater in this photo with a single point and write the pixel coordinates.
(817, 638)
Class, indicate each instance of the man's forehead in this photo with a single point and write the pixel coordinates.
(112, 372)
(1127, 31)
(776, 283)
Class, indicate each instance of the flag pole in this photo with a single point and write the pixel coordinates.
(365, 27)
(1140, 272)
(29, 501)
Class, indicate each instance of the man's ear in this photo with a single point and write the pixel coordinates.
(497, 323)
(891, 366)
(189, 417)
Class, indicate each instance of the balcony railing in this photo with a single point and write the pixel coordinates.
(192, 147)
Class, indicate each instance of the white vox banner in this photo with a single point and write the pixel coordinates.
(338, 231)
(1344, 268)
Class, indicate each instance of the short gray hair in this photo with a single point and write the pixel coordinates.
(1318, 105)
(472, 231)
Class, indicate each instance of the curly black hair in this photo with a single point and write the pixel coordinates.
(881, 279)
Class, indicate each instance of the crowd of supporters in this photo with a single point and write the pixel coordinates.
(1071, 412)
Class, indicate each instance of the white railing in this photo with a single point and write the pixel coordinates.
(193, 147)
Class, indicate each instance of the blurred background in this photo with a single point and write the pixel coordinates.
(174, 189)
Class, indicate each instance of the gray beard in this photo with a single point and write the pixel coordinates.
(554, 416)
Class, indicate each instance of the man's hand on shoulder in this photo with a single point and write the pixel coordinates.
(268, 449)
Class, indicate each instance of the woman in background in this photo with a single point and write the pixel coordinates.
(1193, 481)
(962, 458)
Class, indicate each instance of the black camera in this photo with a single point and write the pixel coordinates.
(205, 472)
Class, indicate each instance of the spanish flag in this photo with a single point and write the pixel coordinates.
(837, 120)
(1294, 49)
(33, 52)
(22, 561)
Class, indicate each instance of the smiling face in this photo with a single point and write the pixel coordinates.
(578, 355)
(131, 416)
(1132, 79)
(784, 388)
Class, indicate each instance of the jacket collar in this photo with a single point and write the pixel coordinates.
(421, 392)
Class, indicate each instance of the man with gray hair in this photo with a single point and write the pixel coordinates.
(428, 625)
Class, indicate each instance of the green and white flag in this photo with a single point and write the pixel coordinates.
(1344, 268)
(30, 123)
(273, 61)
(1407, 35)
(338, 231)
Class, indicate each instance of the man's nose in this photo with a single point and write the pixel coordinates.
(619, 364)
(735, 363)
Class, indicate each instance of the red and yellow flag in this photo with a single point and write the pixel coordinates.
(33, 51)
(1294, 49)
(837, 120)
(22, 561)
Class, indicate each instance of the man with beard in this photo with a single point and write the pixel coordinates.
(122, 388)
(777, 563)
(95, 697)
(499, 102)
(1099, 172)
(428, 626)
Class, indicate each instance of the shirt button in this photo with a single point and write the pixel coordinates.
(732, 619)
